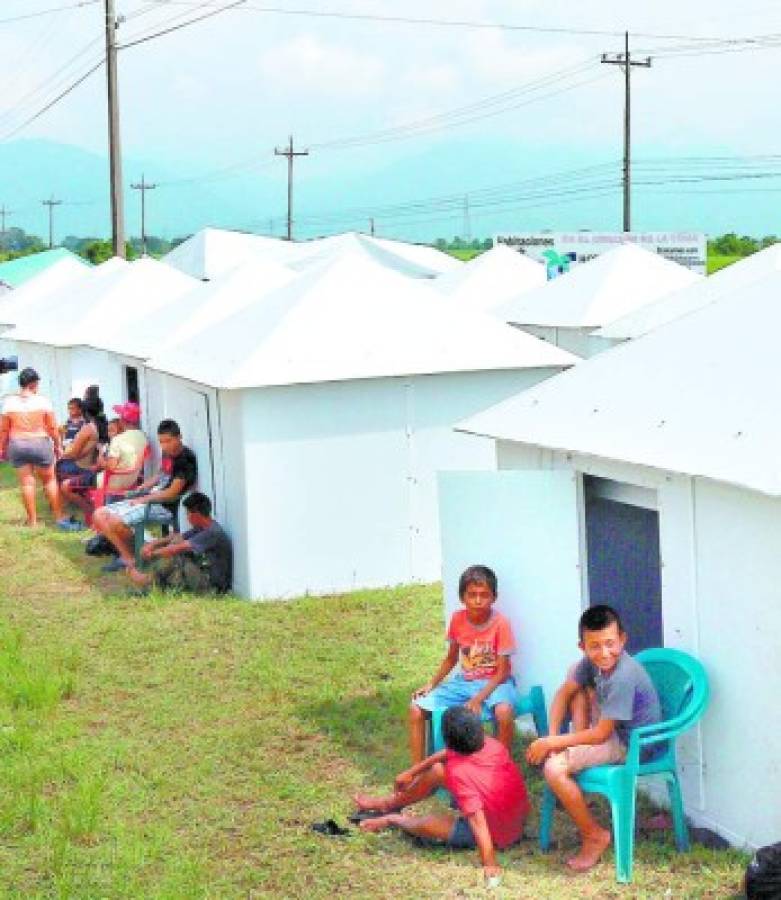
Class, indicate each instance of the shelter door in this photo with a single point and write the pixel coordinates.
(196, 427)
(524, 525)
(624, 566)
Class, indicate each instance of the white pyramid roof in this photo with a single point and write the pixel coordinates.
(421, 254)
(33, 293)
(492, 278)
(103, 306)
(213, 251)
(351, 318)
(200, 308)
(599, 291)
(404, 258)
(699, 396)
(722, 283)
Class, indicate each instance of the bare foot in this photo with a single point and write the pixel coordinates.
(138, 577)
(590, 852)
(377, 824)
(364, 801)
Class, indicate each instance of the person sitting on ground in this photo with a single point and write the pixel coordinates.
(482, 640)
(124, 453)
(30, 439)
(78, 458)
(199, 561)
(73, 423)
(161, 493)
(486, 785)
(606, 695)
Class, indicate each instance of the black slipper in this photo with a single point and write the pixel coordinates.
(362, 814)
(330, 828)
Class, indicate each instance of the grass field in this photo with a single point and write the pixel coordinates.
(180, 748)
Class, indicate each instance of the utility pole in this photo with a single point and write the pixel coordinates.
(115, 149)
(3, 213)
(371, 227)
(143, 186)
(51, 203)
(625, 60)
(467, 224)
(290, 153)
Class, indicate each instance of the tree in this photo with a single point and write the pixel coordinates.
(98, 251)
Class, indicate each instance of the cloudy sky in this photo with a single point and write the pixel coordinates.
(205, 105)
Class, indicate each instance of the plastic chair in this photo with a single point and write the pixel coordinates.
(532, 704)
(98, 496)
(682, 686)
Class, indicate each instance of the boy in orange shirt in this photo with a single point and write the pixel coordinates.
(481, 639)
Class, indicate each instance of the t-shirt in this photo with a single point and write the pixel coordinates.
(184, 466)
(489, 780)
(480, 646)
(128, 448)
(214, 546)
(627, 695)
(72, 428)
(29, 414)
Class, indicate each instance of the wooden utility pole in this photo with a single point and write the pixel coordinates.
(624, 59)
(143, 186)
(290, 153)
(51, 203)
(115, 148)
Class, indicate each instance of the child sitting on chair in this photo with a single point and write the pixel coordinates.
(606, 695)
(481, 639)
(485, 783)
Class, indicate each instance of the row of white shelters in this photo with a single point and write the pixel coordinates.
(568, 309)
(329, 406)
(489, 280)
(212, 252)
(31, 298)
(648, 477)
(726, 281)
(65, 337)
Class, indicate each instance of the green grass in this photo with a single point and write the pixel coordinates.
(466, 254)
(180, 748)
(716, 262)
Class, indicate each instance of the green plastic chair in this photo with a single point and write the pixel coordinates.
(532, 704)
(682, 686)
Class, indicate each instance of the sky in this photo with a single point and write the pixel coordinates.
(203, 108)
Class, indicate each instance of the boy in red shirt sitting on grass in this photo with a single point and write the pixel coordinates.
(484, 781)
(481, 639)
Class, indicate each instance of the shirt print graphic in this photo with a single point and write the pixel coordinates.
(479, 659)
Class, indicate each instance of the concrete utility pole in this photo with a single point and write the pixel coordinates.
(143, 186)
(3, 214)
(290, 153)
(115, 148)
(51, 203)
(625, 60)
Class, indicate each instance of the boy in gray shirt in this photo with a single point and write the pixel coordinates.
(199, 561)
(606, 694)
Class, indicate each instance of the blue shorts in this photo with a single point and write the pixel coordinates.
(461, 836)
(458, 690)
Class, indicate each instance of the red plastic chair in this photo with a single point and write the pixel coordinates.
(97, 495)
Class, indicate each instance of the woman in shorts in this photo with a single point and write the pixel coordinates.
(30, 439)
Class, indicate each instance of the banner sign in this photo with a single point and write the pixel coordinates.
(559, 251)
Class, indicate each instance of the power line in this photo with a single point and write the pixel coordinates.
(172, 28)
(46, 12)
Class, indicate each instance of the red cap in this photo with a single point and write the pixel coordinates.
(130, 412)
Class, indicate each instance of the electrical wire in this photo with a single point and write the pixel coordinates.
(45, 12)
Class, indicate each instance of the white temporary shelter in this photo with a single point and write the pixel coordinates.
(66, 344)
(328, 406)
(569, 308)
(212, 252)
(648, 478)
(491, 279)
(726, 281)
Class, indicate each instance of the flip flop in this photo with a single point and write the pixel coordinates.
(330, 829)
(362, 814)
